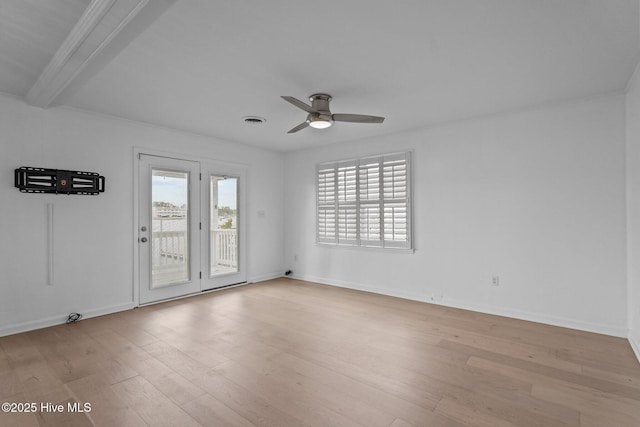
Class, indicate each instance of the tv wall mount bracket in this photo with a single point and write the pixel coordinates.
(58, 181)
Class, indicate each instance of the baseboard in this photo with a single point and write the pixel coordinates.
(635, 346)
(62, 318)
(481, 308)
(265, 277)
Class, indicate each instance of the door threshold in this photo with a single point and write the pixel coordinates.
(233, 285)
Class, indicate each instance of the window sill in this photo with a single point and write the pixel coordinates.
(368, 248)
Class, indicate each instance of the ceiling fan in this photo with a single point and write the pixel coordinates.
(320, 116)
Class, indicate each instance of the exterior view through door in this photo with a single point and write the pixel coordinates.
(179, 253)
(223, 210)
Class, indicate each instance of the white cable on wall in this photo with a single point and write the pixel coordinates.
(50, 243)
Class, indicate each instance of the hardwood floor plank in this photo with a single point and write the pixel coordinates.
(570, 395)
(590, 401)
(37, 379)
(373, 403)
(178, 389)
(4, 360)
(107, 407)
(10, 384)
(245, 403)
(178, 361)
(185, 343)
(535, 373)
(605, 419)
(629, 379)
(486, 405)
(208, 411)
(114, 371)
(151, 405)
(519, 399)
(121, 349)
(401, 382)
(292, 353)
(398, 422)
(468, 415)
(19, 351)
(293, 397)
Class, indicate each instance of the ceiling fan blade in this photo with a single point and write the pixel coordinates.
(299, 127)
(299, 104)
(357, 118)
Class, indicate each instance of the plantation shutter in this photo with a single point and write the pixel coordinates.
(347, 203)
(370, 201)
(327, 215)
(365, 202)
(395, 195)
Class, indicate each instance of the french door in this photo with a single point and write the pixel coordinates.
(190, 233)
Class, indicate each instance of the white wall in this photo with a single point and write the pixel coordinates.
(633, 211)
(94, 234)
(536, 197)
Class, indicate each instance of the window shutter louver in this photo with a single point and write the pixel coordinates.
(347, 199)
(370, 202)
(326, 221)
(395, 199)
(365, 202)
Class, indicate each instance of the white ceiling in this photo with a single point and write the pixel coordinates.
(202, 65)
(31, 31)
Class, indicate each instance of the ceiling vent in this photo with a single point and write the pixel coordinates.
(254, 120)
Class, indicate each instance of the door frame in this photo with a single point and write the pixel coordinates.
(192, 283)
(216, 168)
(207, 164)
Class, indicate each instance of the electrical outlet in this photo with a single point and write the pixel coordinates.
(295, 257)
(495, 281)
(436, 297)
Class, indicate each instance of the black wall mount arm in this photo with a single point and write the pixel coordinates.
(58, 181)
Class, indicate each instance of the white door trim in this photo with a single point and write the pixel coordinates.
(135, 197)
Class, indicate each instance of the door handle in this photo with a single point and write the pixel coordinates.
(143, 239)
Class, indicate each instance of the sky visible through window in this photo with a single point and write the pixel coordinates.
(174, 190)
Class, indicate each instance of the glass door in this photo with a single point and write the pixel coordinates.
(224, 254)
(223, 225)
(169, 228)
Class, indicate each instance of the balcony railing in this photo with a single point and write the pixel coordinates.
(170, 257)
(224, 244)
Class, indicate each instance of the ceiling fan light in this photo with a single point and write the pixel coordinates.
(320, 121)
(320, 124)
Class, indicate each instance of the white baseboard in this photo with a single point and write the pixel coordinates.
(265, 277)
(635, 346)
(60, 319)
(481, 308)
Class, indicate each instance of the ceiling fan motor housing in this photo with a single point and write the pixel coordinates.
(320, 103)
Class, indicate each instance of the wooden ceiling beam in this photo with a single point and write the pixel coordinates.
(99, 24)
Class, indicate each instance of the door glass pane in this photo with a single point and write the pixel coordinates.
(170, 231)
(223, 251)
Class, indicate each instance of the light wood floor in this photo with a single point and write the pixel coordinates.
(289, 353)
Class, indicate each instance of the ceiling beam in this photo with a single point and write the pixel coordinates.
(100, 23)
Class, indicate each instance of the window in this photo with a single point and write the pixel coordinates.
(365, 202)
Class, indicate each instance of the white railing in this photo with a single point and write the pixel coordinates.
(169, 213)
(170, 257)
(169, 247)
(224, 247)
(170, 251)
